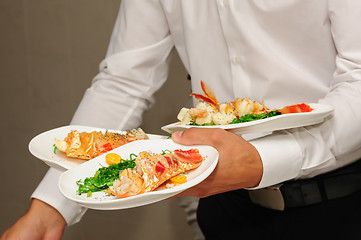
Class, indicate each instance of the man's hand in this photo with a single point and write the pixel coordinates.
(41, 221)
(239, 164)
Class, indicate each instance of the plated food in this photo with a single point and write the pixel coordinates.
(102, 200)
(141, 173)
(246, 116)
(266, 125)
(208, 111)
(87, 145)
(42, 145)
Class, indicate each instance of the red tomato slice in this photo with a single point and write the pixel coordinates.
(296, 108)
(106, 148)
(159, 168)
(191, 155)
(305, 107)
(169, 161)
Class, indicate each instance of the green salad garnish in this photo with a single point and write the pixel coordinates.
(55, 148)
(245, 118)
(104, 176)
(253, 116)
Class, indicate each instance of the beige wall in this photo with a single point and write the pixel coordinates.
(49, 52)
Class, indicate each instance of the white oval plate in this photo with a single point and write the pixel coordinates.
(100, 200)
(41, 146)
(285, 121)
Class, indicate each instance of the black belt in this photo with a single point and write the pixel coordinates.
(298, 193)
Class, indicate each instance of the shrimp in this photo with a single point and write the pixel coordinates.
(130, 183)
(248, 106)
(227, 108)
(201, 114)
(226, 114)
(209, 96)
(209, 111)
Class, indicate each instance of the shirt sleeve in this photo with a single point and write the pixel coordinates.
(309, 151)
(136, 65)
(48, 191)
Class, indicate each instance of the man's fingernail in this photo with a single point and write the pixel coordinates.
(178, 134)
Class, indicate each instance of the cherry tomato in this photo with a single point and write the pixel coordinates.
(179, 179)
(112, 158)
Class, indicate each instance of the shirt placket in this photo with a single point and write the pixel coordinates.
(240, 77)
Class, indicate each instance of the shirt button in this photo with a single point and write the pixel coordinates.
(236, 60)
(224, 3)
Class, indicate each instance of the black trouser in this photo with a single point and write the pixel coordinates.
(232, 215)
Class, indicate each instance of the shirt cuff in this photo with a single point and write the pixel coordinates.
(48, 192)
(281, 157)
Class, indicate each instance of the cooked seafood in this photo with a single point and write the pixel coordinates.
(152, 170)
(86, 145)
(296, 108)
(209, 111)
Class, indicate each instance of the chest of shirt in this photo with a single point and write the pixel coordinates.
(253, 45)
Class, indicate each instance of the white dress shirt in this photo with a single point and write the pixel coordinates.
(282, 52)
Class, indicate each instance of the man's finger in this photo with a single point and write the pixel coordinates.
(194, 136)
